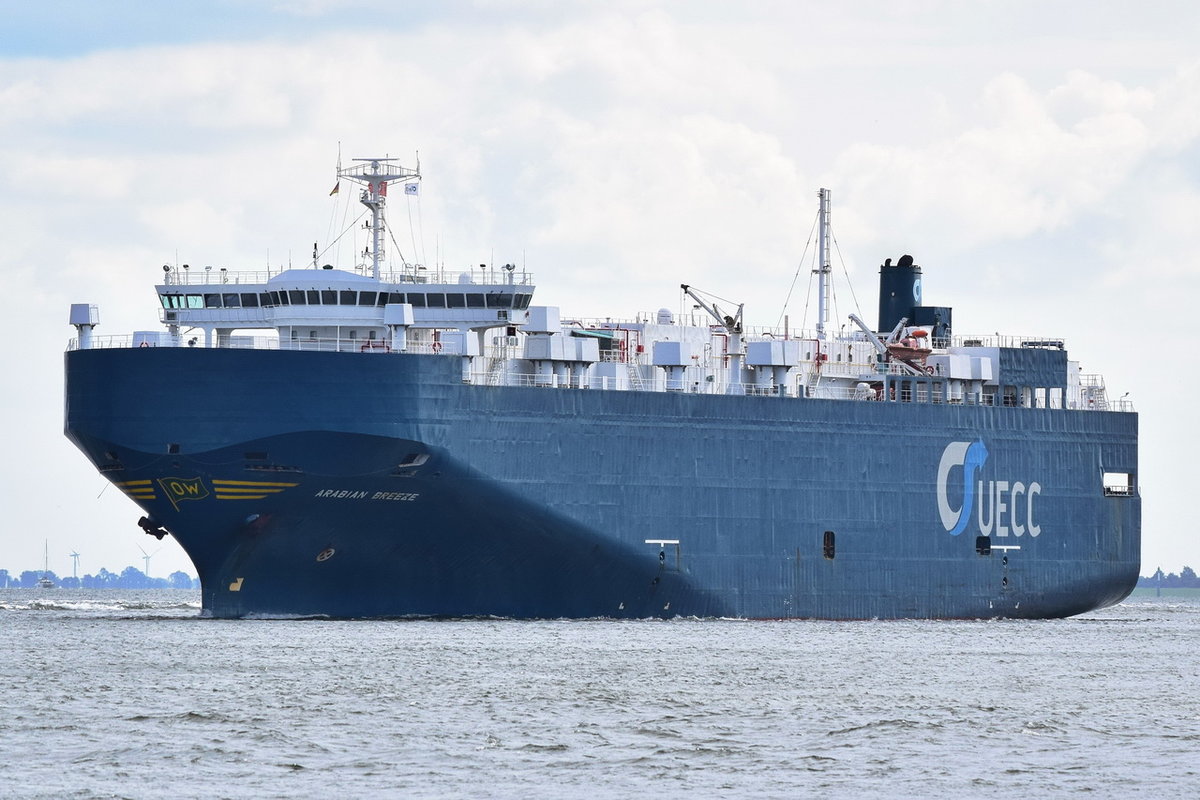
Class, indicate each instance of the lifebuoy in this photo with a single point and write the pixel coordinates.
(144, 344)
(437, 347)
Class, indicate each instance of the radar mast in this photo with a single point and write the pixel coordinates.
(375, 174)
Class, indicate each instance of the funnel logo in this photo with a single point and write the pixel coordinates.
(999, 506)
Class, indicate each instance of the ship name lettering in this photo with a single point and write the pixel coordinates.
(353, 494)
(407, 497)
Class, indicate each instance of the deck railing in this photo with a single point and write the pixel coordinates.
(212, 276)
(1090, 395)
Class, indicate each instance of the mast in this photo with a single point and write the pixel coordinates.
(823, 270)
(376, 174)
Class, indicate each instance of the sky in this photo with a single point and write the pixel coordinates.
(1040, 160)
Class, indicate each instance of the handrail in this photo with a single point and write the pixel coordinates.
(933, 390)
(209, 276)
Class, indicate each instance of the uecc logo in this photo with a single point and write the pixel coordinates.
(1001, 505)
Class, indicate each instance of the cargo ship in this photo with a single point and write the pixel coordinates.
(382, 441)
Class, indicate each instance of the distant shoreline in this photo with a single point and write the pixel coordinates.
(1150, 591)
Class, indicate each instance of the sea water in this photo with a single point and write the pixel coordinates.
(126, 694)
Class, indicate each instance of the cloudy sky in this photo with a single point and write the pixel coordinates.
(1041, 160)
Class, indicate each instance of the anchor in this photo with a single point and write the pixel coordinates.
(152, 528)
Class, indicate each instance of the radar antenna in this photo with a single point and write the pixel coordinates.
(375, 174)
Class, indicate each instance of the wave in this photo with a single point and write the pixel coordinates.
(98, 602)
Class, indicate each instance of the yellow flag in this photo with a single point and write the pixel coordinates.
(179, 489)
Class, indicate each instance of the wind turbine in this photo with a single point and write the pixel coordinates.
(146, 557)
(74, 565)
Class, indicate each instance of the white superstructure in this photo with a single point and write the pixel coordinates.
(485, 317)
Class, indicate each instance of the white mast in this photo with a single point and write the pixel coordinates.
(376, 174)
(823, 270)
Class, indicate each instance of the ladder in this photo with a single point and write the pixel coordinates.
(494, 371)
(635, 374)
(812, 381)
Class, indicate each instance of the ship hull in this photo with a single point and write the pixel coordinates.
(367, 485)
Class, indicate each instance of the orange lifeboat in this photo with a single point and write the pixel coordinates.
(912, 349)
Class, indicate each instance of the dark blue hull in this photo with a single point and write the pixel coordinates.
(381, 485)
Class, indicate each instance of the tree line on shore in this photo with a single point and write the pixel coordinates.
(134, 578)
(128, 578)
(1186, 579)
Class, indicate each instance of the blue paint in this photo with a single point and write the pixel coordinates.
(977, 455)
(538, 502)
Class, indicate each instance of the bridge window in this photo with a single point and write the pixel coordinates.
(249, 300)
(347, 297)
(212, 301)
(264, 299)
(436, 300)
(328, 297)
(522, 301)
(499, 300)
(367, 298)
(383, 299)
(314, 297)
(416, 300)
(475, 301)
(231, 300)
(455, 301)
(296, 297)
